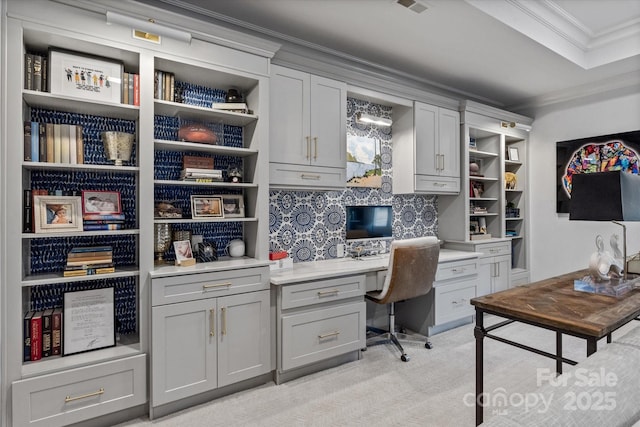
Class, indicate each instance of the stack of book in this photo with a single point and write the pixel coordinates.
(98, 221)
(35, 72)
(85, 261)
(235, 107)
(42, 334)
(201, 175)
(164, 85)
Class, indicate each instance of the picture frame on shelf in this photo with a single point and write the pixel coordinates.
(184, 253)
(101, 202)
(513, 154)
(203, 206)
(89, 320)
(233, 205)
(85, 76)
(55, 214)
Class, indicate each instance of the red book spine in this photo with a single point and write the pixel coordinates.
(36, 336)
(136, 89)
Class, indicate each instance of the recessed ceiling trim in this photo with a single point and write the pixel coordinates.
(550, 25)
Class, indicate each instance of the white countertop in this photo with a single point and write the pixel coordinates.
(303, 271)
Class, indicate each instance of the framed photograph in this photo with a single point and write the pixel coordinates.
(233, 205)
(89, 320)
(85, 76)
(513, 154)
(101, 202)
(55, 214)
(206, 207)
(184, 254)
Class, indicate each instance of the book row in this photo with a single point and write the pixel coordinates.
(53, 143)
(35, 72)
(42, 332)
(130, 88)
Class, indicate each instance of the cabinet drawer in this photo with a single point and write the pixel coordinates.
(285, 175)
(80, 394)
(320, 334)
(452, 301)
(450, 270)
(494, 249)
(189, 287)
(319, 291)
(437, 185)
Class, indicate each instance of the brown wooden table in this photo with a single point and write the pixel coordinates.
(552, 304)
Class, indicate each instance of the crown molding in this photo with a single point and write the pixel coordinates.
(550, 25)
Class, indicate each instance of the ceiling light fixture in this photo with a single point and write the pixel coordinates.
(147, 30)
(372, 120)
(516, 126)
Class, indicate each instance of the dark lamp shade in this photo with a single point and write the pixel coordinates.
(605, 196)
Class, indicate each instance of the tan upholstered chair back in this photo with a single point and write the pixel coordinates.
(412, 269)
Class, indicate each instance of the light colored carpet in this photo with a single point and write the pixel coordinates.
(435, 388)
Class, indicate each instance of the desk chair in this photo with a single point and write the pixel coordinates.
(412, 270)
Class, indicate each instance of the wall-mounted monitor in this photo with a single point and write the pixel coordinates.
(369, 222)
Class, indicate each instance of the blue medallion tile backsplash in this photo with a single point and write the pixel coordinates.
(310, 224)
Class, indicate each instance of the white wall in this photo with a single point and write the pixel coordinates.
(557, 244)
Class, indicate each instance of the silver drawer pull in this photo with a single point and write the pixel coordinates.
(325, 293)
(329, 334)
(439, 184)
(84, 396)
(216, 285)
(313, 177)
(457, 270)
(460, 301)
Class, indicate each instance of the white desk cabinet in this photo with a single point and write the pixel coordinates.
(447, 305)
(217, 337)
(319, 320)
(494, 264)
(307, 130)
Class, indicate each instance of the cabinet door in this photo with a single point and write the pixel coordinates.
(328, 144)
(289, 126)
(485, 271)
(449, 142)
(426, 122)
(243, 338)
(501, 273)
(184, 350)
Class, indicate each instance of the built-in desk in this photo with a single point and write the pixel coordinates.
(322, 315)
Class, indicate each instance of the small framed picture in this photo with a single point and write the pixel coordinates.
(206, 207)
(184, 254)
(85, 76)
(101, 202)
(89, 320)
(55, 214)
(233, 205)
(513, 154)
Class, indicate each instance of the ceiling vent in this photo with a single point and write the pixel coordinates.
(412, 5)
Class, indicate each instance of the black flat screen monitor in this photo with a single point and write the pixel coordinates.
(369, 222)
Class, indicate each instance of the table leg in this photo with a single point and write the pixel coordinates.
(479, 333)
(609, 338)
(558, 353)
(592, 346)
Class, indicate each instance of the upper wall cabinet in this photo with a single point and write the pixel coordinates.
(307, 130)
(426, 150)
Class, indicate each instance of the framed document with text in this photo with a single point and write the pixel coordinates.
(89, 320)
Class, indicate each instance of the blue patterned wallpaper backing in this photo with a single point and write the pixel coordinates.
(309, 224)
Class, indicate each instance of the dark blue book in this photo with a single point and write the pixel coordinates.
(26, 333)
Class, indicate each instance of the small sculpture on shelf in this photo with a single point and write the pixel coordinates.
(510, 180)
(234, 173)
(165, 209)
